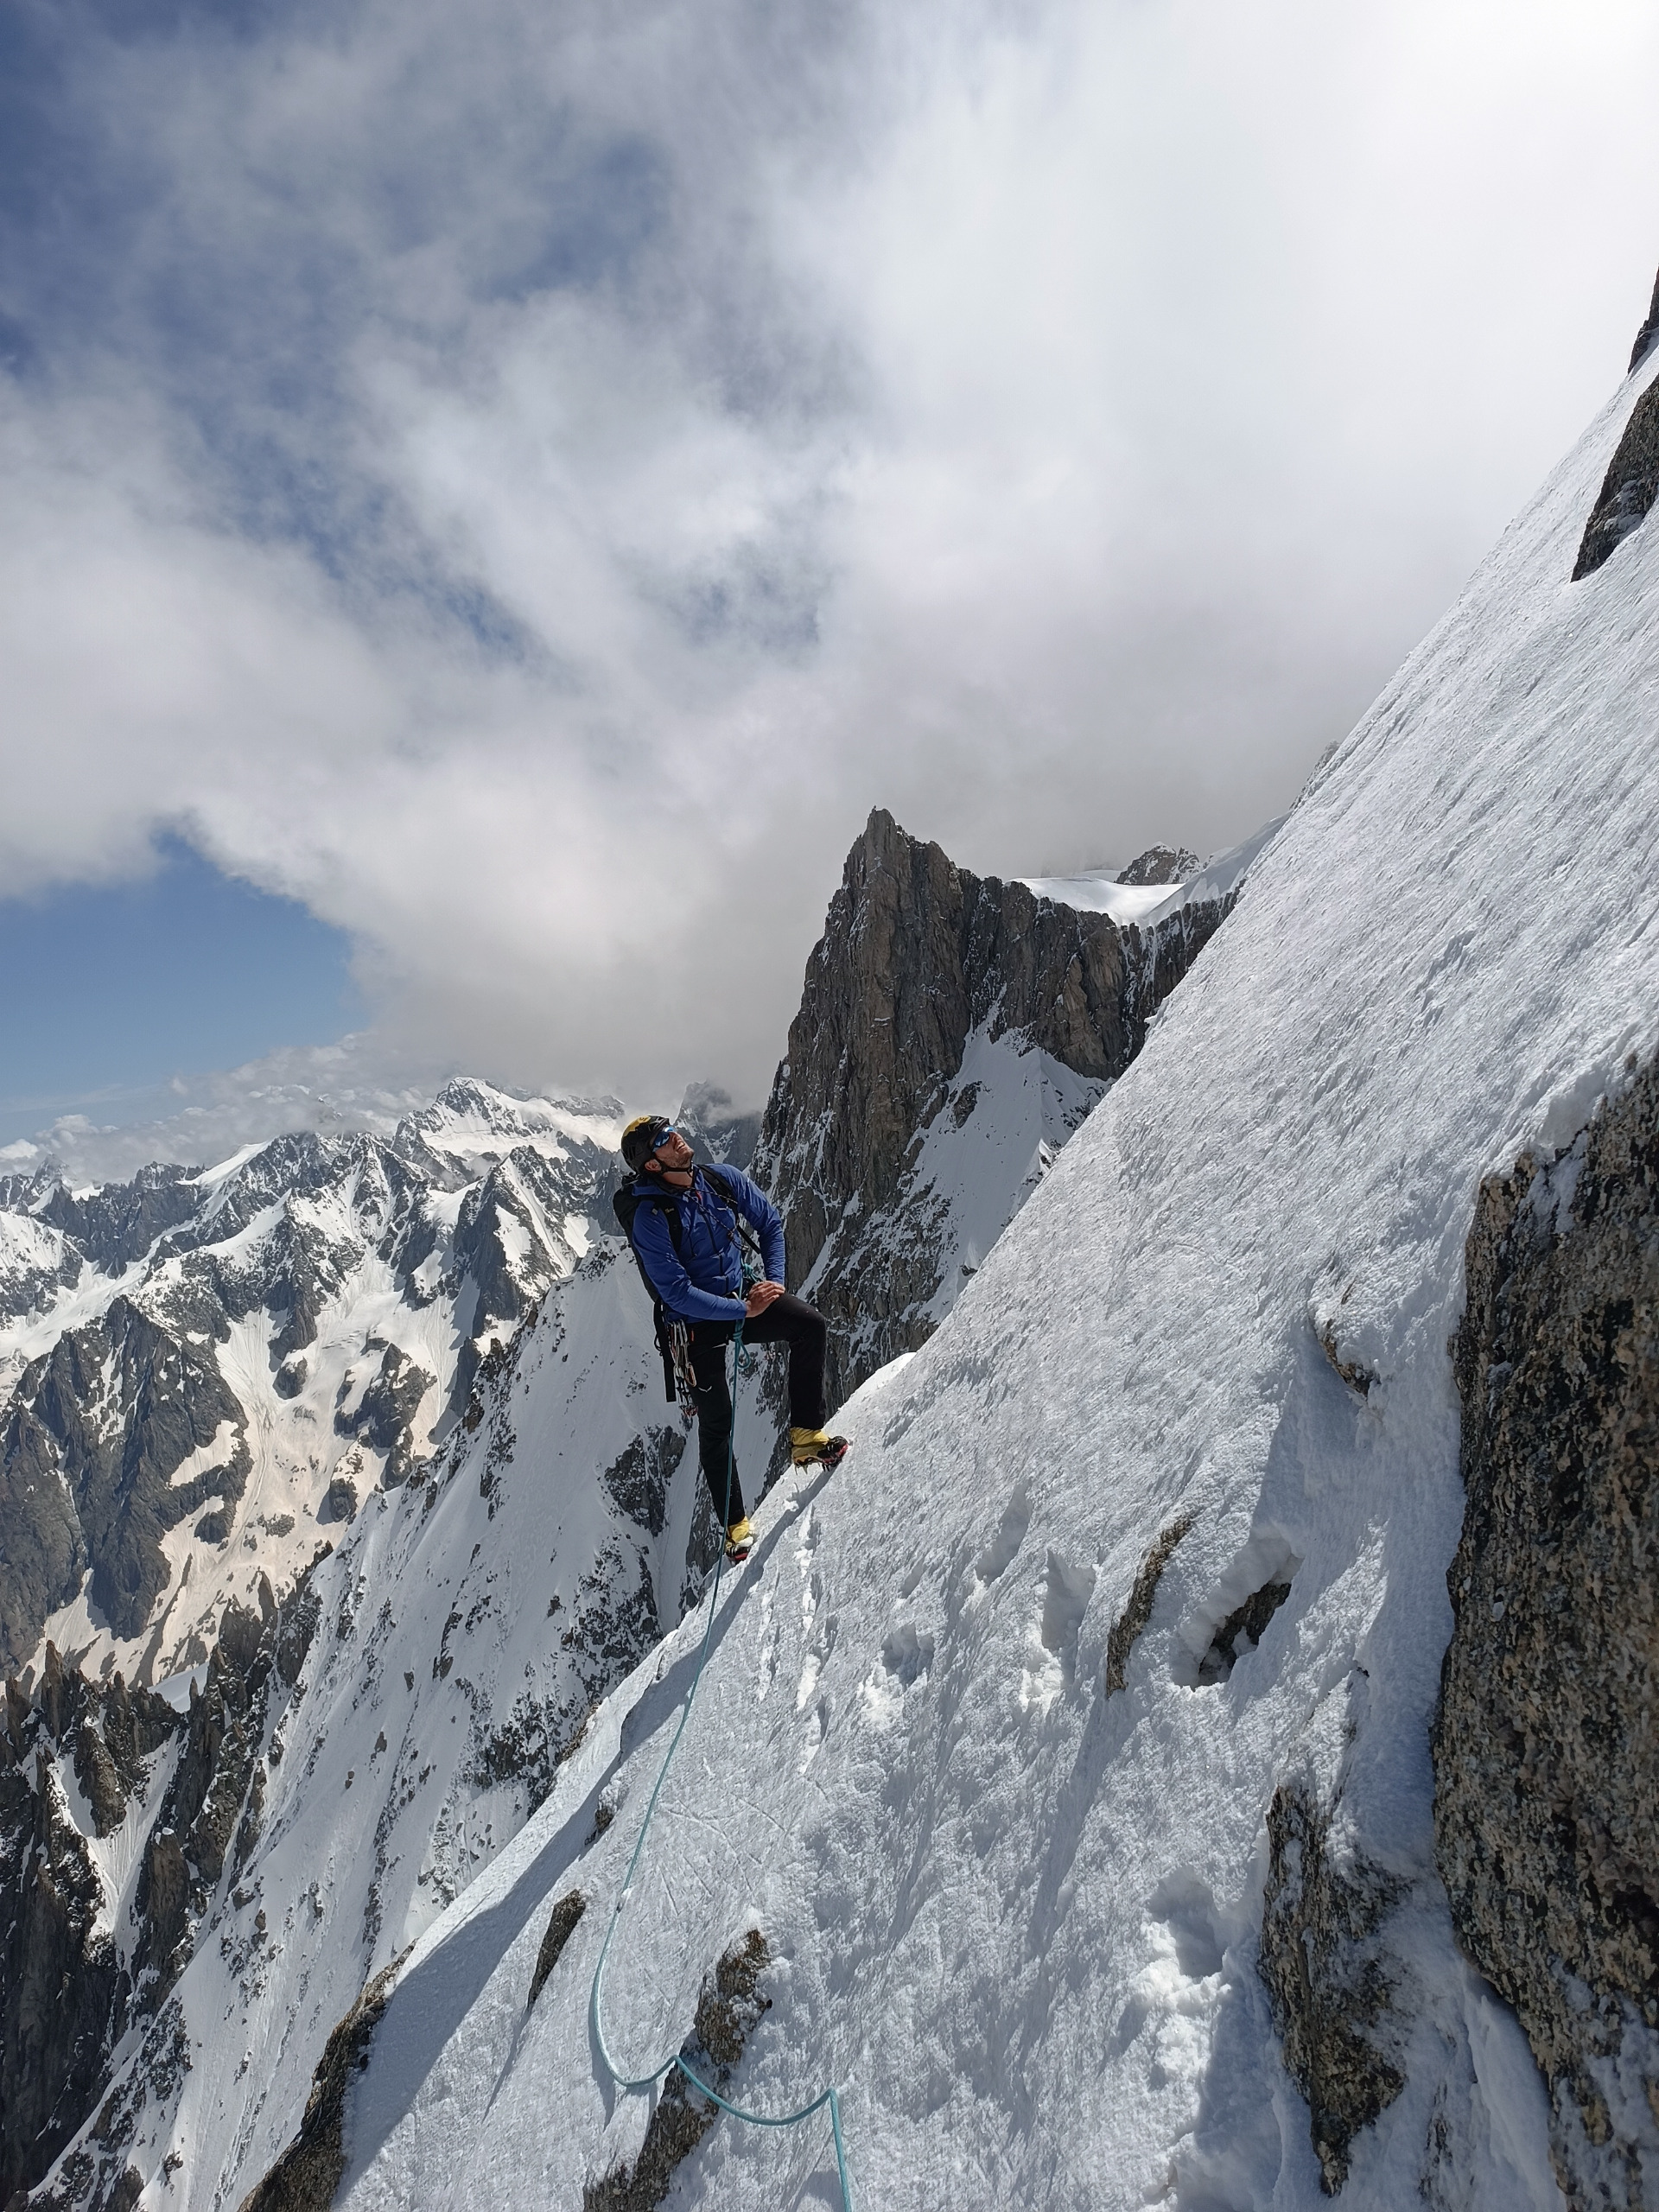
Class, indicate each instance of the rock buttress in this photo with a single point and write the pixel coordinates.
(1547, 1744)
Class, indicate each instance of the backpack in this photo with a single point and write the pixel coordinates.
(625, 1205)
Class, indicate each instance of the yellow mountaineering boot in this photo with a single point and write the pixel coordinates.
(807, 1445)
(740, 1539)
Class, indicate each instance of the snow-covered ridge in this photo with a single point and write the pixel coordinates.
(1144, 906)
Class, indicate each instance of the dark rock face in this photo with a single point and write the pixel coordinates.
(65, 1997)
(117, 1224)
(1627, 490)
(1126, 1630)
(1547, 1746)
(1645, 336)
(1327, 1981)
(716, 1132)
(727, 2013)
(338, 1501)
(916, 956)
(1161, 864)
(637, 1479)
(384, 1416)
(94, 1432)
(1246, 1624)
(305, 2177)
(561, 1926)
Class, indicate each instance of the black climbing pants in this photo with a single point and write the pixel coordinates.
(786, 1320)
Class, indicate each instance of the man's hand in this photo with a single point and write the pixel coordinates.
(760, 1298)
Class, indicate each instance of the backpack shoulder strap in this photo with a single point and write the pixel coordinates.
(627, 1203)
(724, 1190)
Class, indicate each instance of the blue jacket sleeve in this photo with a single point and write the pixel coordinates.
(668, 1279)
(762, 1217)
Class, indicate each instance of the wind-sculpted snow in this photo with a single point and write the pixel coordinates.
(1015, 1915)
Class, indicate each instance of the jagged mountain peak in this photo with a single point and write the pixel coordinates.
(472, 1124)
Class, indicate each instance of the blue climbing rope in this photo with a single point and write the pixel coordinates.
(646, 2080)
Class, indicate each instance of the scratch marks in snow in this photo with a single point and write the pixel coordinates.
(819, 1629)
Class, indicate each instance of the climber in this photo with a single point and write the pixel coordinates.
(687, 1226)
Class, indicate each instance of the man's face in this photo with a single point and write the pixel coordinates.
(673, 1153)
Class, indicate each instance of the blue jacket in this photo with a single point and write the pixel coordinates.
(703, 1282)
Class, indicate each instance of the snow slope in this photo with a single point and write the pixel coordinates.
(1016, 1912)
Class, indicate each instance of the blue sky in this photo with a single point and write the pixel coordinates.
(106, 993)
(522, 484)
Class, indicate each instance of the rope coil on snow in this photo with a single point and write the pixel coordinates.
(648, 2080)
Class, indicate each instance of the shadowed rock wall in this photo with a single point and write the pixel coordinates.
(1547, 1745)
(916, 955)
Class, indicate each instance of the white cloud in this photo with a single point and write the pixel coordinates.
(530, 484)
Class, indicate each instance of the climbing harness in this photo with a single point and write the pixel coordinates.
(646, 2080)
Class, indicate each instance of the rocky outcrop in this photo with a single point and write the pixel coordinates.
(561, 1926)
(305, 2177)
(384, 1416)
(1160, 864)
(1327, 1975)
(93, 1437)
(728, 2010)
(1546, 1748)
(1627, 490)
(918, 956)
(1645, 336)
(1126, 1629)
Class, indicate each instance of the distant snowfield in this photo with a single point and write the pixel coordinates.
(1014, 1914)
(1145, 905)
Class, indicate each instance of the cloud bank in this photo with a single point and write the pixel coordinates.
(527, 481)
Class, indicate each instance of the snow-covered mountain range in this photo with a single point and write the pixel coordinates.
(1197, 1749)
(208, 1370)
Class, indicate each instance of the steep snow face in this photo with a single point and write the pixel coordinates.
(1018, 1910)
(338, 1293)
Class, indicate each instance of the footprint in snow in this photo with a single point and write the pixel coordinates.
(1051, 1668)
